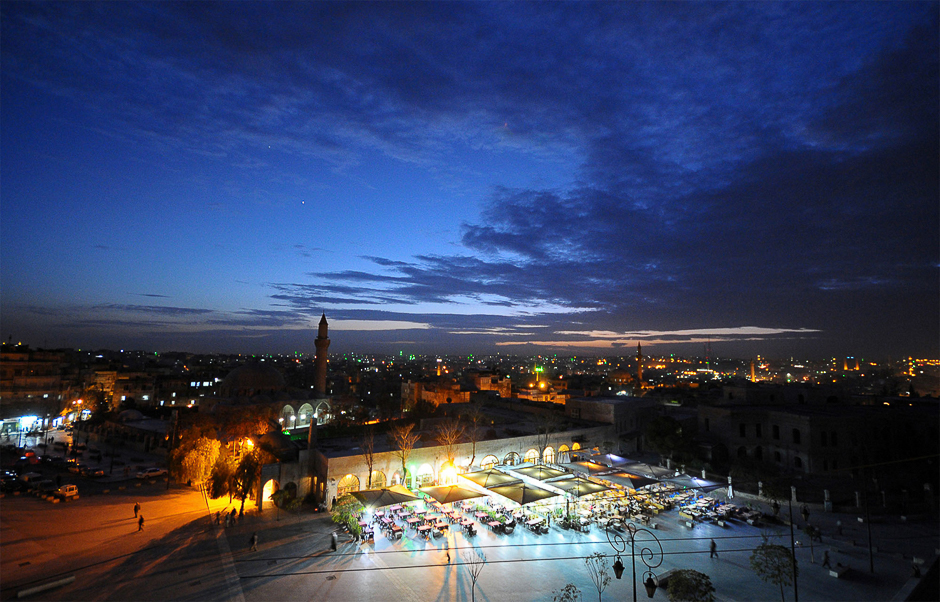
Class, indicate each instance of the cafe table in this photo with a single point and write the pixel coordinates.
(424, 530)
(413, 521)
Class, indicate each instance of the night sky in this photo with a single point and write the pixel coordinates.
(472, 178)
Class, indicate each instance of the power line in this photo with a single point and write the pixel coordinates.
(458, 564)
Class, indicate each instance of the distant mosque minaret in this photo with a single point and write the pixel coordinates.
(322, 343)
(639, 366)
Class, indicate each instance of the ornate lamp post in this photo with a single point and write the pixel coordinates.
(648, 554)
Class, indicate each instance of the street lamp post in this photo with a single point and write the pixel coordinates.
(651, 557)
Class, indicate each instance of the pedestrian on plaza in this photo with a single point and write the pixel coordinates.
(218, 517)
(816, 535)
(776, 508)
(448, 556)
(228, 520)
(140, 523)
(333, 541)
(805, 512)
(233, 515)
(136, 509)
(825, 562)
(713, 549)
(253, 542)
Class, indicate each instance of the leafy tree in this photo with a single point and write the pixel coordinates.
(194, 460)
(597, 567)
(403, 439)
(221, 480)
(246, 476)
(774, 564)
(687, 585)
(345, 510)
(569, 593)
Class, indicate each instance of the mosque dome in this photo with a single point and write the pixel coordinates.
(251, 380)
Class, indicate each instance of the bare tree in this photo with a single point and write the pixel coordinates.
(404, 441)
(475, 416)
(449, 434)
(545, 426)
(474, 560)
(368, 450)
(596, 565)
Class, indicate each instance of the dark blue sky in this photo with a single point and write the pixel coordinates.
(444, 177)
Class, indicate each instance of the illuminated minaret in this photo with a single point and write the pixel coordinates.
(323, 344)
(845, 365)
(753, 376)
(639, 366)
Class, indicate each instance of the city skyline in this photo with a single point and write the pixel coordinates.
(570, 178)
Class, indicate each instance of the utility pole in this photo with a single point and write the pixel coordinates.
(796, 596)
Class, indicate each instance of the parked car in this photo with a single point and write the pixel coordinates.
(66, 491)
(76, 468)
(88, 471)
(13, 485)
(44, 487)
(151, 472)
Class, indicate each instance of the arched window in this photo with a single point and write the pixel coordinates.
(532, 456)
(511, 459)
(396, 478)
(349, 484)
(742, 452)
(489, 462)
(287, 417)
(305, 415)
(797, 462)
(425, 475)
(548, 456)
(575, 446)
(378, 479)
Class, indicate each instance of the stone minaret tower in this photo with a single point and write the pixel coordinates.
(639, 367)
(323, 344)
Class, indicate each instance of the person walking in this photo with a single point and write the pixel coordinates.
(218, 517)
(825, 561)
(140, 523)
(253, 542)
(333, 541)
(136, 509)
(713, 549)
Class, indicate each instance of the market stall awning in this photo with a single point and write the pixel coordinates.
(489, 477)
(585, 467)
(522, 493)
(451, 493)
(693, 483)
(540, 473)
(610, 460)
(627, 479)
(578, 485)
(377, 498)
(648, 470)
